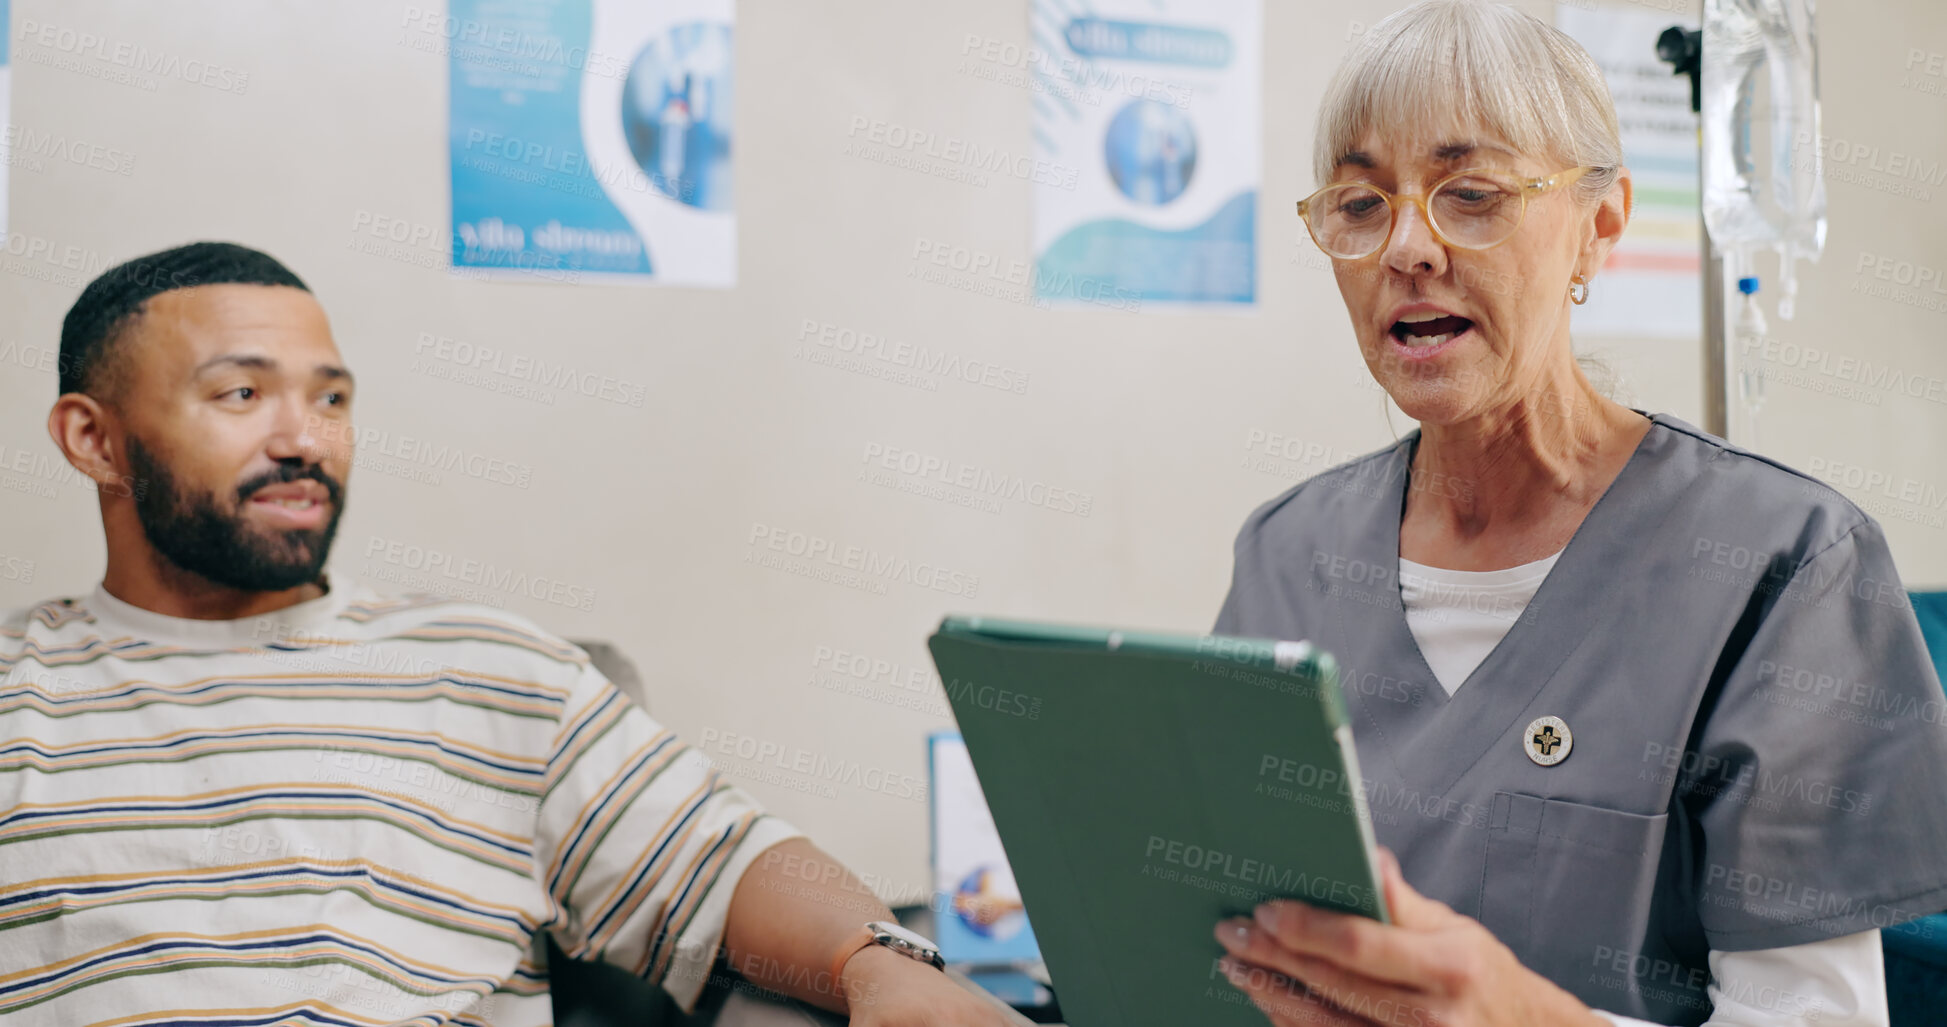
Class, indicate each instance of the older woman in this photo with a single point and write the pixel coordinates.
(1642, 715)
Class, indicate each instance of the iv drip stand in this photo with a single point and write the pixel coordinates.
(1683, 50)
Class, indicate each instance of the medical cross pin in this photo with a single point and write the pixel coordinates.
(1548, 740)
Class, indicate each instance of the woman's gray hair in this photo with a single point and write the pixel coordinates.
(1473, 65)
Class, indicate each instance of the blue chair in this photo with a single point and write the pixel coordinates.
(1916, 952)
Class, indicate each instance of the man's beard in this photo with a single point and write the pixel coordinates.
(193, 532)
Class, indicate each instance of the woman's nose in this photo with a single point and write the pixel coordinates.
(1413, 246)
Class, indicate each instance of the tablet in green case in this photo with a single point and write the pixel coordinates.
(1147, 785)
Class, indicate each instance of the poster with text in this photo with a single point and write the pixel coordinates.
(591, 139)
(6, 101)
(1157, 104)
(1652, 283)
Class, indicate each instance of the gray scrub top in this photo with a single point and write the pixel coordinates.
(1758, 755)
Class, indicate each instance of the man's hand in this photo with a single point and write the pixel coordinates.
(1431, 967)
(890, 990)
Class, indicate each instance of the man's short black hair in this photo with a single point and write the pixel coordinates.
(112, 302)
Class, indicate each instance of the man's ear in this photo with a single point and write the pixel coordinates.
(1611, 216)
(88, 436)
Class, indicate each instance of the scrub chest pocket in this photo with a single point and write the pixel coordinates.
(1566, 885)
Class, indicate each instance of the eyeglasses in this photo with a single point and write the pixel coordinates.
(1472, 210)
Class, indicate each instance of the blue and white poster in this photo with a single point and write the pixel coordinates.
(593, 137)
(6, 101)
(1158, 103)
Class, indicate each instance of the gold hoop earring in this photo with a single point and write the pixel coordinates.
(1578, 290)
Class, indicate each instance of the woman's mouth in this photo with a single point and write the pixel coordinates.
(1421, 337)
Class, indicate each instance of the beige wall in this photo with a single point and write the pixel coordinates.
(653, 508)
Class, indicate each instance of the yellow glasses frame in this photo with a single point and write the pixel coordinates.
(1524, 188)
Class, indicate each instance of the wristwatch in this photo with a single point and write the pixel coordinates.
(907, 943)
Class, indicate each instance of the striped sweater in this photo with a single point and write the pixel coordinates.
(359, 810)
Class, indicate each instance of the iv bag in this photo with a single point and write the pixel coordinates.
(1750, 204)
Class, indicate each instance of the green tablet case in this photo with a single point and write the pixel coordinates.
(1147, 785)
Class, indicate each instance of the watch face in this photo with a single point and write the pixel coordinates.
(900, 939)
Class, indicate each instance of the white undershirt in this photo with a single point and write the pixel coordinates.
(1457, 618)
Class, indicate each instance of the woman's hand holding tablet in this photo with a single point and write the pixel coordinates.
(1304, 965)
